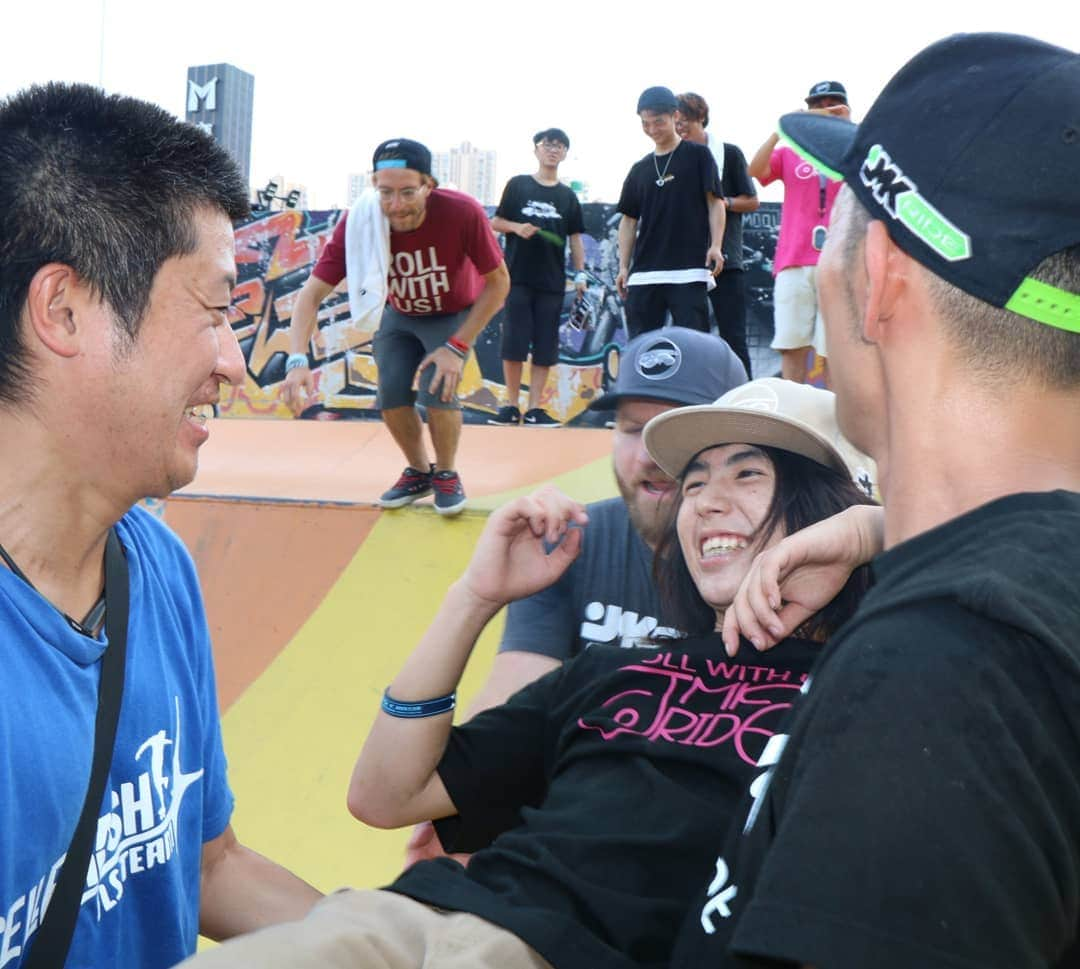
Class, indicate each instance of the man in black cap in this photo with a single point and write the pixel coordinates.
(672, 226)
(444, 280)
(538, 215)
(808, 201)
(924, 809)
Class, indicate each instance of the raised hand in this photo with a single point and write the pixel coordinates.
(514, 558)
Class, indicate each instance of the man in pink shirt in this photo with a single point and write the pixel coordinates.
(808, 198)
(446, 279)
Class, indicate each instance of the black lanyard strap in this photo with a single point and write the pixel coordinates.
(53, 937)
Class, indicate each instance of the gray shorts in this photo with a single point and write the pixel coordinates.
(401, 342)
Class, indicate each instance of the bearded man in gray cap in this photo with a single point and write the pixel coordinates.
(672, 226)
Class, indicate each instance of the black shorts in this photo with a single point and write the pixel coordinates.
(647, 305)
(532, 320)
(729, 307)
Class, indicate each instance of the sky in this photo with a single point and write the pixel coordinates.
(333, 80)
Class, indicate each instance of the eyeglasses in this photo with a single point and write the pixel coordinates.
(546, 143)
(405, 194)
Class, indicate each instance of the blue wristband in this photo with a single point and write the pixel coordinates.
(421, 708)
(295, 361)
(580, 279)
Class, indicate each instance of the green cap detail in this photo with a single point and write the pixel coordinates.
(807, 157)
(926, 222)
(1047, 304)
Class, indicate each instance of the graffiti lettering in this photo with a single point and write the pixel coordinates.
(275, 253)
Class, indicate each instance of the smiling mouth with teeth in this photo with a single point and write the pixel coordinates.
(200, 413)
(721, 544)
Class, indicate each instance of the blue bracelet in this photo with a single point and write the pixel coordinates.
(295, 361)
(421, 708)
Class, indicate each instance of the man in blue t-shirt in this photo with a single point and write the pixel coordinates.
(117, 247)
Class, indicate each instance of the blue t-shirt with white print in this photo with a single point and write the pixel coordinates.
(167, 791)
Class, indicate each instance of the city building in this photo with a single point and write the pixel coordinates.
(358, 181)
(220, 99)
(468, 169)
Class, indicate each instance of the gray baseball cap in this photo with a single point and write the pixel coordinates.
(675, 365)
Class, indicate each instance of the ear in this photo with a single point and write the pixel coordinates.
(888, 277)
(56, 302)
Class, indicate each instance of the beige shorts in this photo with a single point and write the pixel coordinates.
(375, 930)
(796, 315)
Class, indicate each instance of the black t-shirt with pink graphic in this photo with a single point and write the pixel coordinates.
(597, 798)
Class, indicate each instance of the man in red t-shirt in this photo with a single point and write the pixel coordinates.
(446, 279)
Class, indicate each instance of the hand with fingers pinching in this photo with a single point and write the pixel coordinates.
(525, 546)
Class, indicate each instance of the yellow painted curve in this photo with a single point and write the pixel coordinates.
(293, 735)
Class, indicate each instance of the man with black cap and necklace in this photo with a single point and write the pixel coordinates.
(923, 808)
(445, 279)
(672, 226)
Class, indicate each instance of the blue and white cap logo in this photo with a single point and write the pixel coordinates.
(659, 360)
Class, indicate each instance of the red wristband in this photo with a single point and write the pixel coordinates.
(458, 344)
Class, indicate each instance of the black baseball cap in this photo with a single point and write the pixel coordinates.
(552, 134)
(659, 99)
(675, 365)
(970, 157)
(402, 153)
(827, 89)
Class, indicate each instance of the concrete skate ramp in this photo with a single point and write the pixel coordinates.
(315, 596)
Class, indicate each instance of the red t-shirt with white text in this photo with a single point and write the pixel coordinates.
(437, 268)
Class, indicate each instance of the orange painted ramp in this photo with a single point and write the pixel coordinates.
(355, 461)
(264, 568)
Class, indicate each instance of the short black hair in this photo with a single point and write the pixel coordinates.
(107, 185)
(659, 100)
(806, 492)
(552, 134)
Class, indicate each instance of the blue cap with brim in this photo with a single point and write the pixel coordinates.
(970, 158)
(676, 366)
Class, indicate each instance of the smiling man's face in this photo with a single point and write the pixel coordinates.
(647, 491)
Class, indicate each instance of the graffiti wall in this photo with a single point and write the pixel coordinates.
(275, 253)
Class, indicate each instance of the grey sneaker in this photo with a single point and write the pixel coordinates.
(538, 417)
(449, 495)
(508, 416)
(412, 484)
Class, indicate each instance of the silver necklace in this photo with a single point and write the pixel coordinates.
(661, 176)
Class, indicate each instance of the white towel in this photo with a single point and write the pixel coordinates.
(367, 258)
(716, 146)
